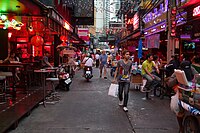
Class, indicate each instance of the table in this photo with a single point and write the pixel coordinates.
(13, 67)
(43, 72)
(53, 69)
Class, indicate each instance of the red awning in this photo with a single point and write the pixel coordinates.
(191, 2)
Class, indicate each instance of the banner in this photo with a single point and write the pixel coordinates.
(83, 33)
(153, 41)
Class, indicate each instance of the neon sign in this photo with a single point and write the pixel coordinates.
(196, 11)
(10, 24)
(136, 21)
(156, 12)
(130, 21)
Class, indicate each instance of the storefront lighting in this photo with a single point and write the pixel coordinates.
(3, 17)
(153, 30)
(9, 35)
(67, 26)
(12, 24)
(162, 26)
(30, 28)
(196, 11)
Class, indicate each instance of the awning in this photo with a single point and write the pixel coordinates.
(131, 36)
(190, 3)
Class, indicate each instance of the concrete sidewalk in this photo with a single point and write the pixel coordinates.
(87, 108)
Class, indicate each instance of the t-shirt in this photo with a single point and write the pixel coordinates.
(148, 65)
(103, 59)
(88, 62)
(124, 71)
(97, 56)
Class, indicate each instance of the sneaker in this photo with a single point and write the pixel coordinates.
(105, 77)
(120, 103)
(125, 109)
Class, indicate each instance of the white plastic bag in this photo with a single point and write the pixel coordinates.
(113, 90)
(174, 103)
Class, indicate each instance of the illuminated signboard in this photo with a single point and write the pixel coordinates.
(10, 24)
(130, 21)
(196, 11)
(156, 12)
(135, 21)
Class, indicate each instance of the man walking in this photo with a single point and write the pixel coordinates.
(97, 59)
(123, 71)
(103, 63)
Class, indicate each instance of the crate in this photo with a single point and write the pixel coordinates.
(136, 78)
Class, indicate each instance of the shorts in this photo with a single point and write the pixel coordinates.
(103, 66)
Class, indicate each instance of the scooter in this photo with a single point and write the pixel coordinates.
(88, 73)
(64, 78)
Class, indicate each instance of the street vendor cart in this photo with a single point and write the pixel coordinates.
(189, 102)
(136, 77)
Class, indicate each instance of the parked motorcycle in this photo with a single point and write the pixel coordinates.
(88, 73)
(64, 78)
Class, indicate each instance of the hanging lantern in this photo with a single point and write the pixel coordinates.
(37, 40)
(63, 38)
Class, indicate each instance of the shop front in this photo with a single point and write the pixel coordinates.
(130, 41)
(190, 31)
(35, 34)
(155, 25)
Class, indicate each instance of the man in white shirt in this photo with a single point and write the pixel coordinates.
(88, 61)
(97, 60)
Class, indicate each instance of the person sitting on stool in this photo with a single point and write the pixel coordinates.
(147, 67)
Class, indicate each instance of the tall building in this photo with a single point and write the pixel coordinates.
(99, 14)
(106, 14)
(114, 8)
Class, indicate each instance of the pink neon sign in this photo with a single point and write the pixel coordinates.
(196, 11)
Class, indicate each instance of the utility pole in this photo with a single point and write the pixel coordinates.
(171, 40)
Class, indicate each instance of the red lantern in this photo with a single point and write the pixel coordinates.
(63, 38)
(37, 40)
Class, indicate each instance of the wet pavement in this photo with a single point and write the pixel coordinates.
(87, 108)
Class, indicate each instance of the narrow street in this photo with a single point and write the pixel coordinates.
(87, 108)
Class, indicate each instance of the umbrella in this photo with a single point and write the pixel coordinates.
(140, 49)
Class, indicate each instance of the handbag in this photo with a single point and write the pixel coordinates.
(113, 90)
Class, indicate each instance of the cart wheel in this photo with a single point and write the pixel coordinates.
(191, 125)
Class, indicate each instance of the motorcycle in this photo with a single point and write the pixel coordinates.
(88, 73)
(64, 78)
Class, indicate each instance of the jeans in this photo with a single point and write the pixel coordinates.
(151, 83)
(124, 86)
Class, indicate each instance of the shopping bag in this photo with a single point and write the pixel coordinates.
(113, 90)
(174, 103)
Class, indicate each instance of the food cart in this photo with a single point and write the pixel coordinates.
(189, 101)
(136, 77)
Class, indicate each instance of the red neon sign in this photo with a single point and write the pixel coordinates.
(196, 11)
(130, 21)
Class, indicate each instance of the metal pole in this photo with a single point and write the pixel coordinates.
(171, 40)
